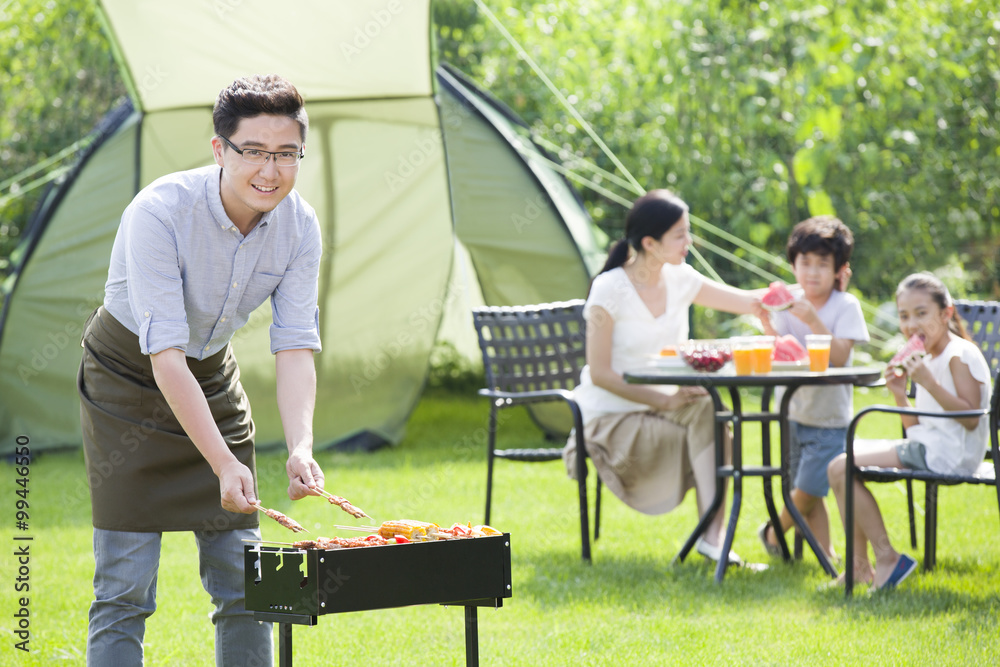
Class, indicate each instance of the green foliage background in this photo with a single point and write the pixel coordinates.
(57, 78)
(759, 114)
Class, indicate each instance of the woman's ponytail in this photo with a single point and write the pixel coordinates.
(617, 256)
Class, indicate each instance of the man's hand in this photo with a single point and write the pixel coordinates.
(304, 475)
(236, 488)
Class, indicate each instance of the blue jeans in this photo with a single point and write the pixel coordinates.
(125, 596)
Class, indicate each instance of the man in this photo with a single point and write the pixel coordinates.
(168, 438)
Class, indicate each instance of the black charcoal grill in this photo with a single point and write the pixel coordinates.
(292, 586)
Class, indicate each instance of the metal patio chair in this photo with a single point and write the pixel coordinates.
(534, 354)
(982, 318)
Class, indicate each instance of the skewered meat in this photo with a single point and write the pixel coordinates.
(341, 542)
(399, 531)
(287, 522)
(356, 512)
(343, 504)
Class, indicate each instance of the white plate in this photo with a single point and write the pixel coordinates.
(790, 365)
(665, 362)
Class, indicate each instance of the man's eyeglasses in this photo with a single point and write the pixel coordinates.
(258, 157)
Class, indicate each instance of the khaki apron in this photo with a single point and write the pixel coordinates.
(145, 474)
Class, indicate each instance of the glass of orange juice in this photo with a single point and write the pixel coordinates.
(743, 355)
(763, 351)
(818, 346)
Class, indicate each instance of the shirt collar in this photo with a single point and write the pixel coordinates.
(213, 194)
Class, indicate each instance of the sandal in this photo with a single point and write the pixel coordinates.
(771, 549)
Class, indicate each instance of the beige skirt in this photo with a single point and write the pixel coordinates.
(145, 474)
(644, 458)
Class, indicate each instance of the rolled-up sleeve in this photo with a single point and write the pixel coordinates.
(294, 302)
(156, 295)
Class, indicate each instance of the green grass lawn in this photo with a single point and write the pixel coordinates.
(633, 606)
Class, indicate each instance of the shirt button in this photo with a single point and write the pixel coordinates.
(235, 284)
(146, 314)
(223, 319)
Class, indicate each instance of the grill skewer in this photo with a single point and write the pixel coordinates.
(342, 503)
(287, 522)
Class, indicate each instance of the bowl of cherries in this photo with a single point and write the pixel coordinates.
(706, 356)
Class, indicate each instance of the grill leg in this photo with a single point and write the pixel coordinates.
(489, 459)
(471, 637)
(285, 644)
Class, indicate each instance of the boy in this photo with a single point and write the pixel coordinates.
(819, 250)
(167, 433)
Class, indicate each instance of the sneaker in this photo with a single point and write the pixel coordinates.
(715, 553)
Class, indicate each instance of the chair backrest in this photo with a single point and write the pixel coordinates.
(982, 319)
(532, 348)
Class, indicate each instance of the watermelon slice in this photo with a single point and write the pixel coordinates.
(915, 345)
(788, 348)
(778, 297)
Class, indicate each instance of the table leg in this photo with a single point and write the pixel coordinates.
(721, 418)
(765, 439)
(786, 492)
(734, 512)
(471, 637)
(285, 644)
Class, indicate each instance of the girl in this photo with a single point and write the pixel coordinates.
(650, 444)
(952, 376)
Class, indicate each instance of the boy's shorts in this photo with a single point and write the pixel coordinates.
(810, 450)
(912, 455)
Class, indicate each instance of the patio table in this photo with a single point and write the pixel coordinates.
(726, 377)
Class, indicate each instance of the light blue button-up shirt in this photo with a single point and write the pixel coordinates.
(182, 275)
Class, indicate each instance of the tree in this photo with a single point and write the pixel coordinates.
(58, 79)
(762, 114)
(759, 114)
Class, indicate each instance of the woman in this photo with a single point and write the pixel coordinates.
(651, 444)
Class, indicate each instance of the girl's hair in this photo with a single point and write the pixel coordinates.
(933, 286)
(651, 215)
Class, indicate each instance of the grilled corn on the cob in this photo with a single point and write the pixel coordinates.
(408, 528)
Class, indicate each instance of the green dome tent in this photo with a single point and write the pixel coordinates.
(431, 195)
